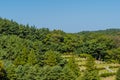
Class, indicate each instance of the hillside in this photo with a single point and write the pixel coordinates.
(29, 53)
(107, 71)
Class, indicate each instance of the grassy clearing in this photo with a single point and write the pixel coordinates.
(106, 70)
(108, 78)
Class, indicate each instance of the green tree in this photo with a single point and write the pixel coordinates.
(96, 45)
(23, 58)
(73, 66)
(53, 73)
(90, 73)
(52, 58)
(32, 58)
(113, 55)
(68, 74)
(3, 74)
(71, 70)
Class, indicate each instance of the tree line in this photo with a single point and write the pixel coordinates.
(29, 53)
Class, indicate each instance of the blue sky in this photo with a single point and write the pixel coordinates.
(66, 15)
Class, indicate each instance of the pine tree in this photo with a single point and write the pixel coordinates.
(51, 58)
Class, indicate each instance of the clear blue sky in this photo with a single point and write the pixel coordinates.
(67, 15)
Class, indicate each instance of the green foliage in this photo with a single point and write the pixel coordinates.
(51, 73)
(68, 74)
(30, 53)
(22, 59)
(32, 58)
(118, 74)
(3, 74)
(97, 45)
(71, 70)
(90, 73)
(52, 58)
(113, 55)
(73, 66)
(107, 74)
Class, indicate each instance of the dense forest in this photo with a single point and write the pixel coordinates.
(29, 53)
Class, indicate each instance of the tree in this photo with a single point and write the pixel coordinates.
(52, 58)
(22, 59)
(73, 66)
(113, 55)
(68, 74)
(90, 73)
(32, 58)
(3, 74)
(96, 45)
(71, 70)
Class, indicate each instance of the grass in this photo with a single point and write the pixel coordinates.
(108, 78)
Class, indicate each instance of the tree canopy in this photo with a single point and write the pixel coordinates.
(30, 53)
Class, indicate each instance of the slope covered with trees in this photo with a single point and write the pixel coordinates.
(29, 53)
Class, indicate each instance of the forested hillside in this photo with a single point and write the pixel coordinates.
(29, 53)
